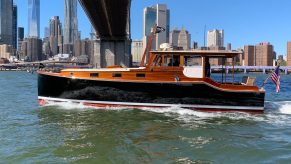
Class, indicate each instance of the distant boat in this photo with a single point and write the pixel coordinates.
(168, 78)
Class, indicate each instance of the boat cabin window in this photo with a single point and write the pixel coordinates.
(167, 60)
(173, 60)
(116, 75)
(192, 60)
(141, 75)
(95, 75)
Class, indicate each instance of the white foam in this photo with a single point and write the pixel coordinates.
(283, 107)
(276, 112)
(188, 115)
(69, 105)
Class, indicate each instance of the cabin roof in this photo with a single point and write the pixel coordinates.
(202, 53)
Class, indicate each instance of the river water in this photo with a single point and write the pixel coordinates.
(67, 133)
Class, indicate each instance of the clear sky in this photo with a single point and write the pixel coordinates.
(244, 21)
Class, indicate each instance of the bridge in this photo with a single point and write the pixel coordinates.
(247, 69)
(111, 20)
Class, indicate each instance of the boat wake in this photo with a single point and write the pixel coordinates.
(274, 112)
(282, 107)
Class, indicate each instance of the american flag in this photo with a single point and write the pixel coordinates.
(275, 76)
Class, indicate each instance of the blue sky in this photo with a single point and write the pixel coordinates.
(244, 21)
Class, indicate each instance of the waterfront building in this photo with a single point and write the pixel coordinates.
(261, 54)
(55, 35)
(195, 45)
(229, 60)
(33, 18)
(289, 53)
(6, 51)
(215, 38)
(20, 37)
(46, 50)
(228, 46)
(86, 47)
(6, 22)
(71, 22)
(83, 50)
(264, 54)
(137, 52)
(32, 49)
(173, 37)
(216, 61)
(249, 55)
(159, 15)
(14, 26)
(184, 39)
(46, 32)
(180, 39)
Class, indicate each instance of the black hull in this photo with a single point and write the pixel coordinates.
(149, 93)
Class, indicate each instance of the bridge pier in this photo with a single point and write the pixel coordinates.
(264, 71)
(111, 52)
(245, 70)
(286, 71)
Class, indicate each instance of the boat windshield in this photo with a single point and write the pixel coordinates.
(174, 60)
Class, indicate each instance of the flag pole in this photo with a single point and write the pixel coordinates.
(265, 82)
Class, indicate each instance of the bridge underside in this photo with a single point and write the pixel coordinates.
(110, 18)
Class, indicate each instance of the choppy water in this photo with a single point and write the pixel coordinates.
(29, 134)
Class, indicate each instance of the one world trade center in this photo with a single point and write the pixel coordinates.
(33, 18)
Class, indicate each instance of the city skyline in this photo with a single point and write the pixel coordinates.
(242, 27)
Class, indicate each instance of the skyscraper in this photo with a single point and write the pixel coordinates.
(180, 39)
(289, 53)
(159, 15)
(14, 27)
(71, 22)
(55, 35)
(184, 39)
(173, 37)
(33, 18)
(6, 22)
(20, 37)
(215, 38)
(32, 49)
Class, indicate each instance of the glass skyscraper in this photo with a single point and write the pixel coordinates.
(71, 22)
(6, 22)
(33, 18)
(159, 15)
(14, 27)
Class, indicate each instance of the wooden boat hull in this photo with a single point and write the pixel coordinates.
(102, 93)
